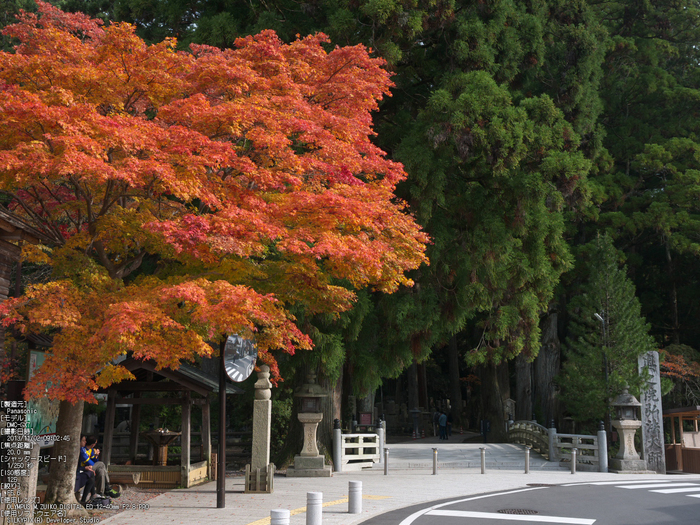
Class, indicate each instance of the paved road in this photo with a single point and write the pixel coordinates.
(620, 502)
(410, 482)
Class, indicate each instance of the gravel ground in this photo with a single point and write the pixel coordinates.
(131, 498)
(137, 498)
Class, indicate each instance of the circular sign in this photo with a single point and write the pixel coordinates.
(239, 357)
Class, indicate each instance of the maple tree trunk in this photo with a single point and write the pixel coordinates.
(64, 461)
(523, 388)
(547, 366)
(27, 485)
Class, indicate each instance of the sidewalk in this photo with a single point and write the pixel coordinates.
(409, 481)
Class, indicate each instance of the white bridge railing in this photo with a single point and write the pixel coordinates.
(359, 451)
(558, 447)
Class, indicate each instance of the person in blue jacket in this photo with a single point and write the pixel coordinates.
(89, 460)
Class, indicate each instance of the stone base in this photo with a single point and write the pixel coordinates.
(628, 465)
(325, 472)
(309, 467)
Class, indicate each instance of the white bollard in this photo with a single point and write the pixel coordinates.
(314, 508)
(527, 460)
(279, 517)
(434, 461)
(337, 447)
(386, 461)
(573, 460)
(602, 448)
(483, 460)
(355, 497)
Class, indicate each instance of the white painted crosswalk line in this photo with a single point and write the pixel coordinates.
(535, 518)
(693, 495)
(655, 485)
(696, 488)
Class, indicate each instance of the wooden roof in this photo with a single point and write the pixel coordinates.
(685, 412)
(14, 228)
(186, 376)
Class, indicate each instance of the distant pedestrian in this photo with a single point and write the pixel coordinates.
(449, 424)
(436, 422)
(442, 421)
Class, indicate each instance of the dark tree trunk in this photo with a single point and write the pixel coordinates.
(673, 298)
(331, 408)
(422, 387)
(412, 374)
(64, 461)
(494, 394)
(523, 388)
(547, 366)
(455, 383)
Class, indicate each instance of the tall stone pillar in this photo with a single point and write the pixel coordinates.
(262, 420)
(653, 449)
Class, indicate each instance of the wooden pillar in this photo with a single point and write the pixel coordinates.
(185, 440)
(206, 435)
(680, 428)
(109, 425)
(673, 429)
(135, 424)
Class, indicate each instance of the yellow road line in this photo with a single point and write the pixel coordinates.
(266, 521)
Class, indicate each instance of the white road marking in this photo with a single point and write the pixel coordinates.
(413, 517)
(693, 495)
(654, 485)
(510, 517)
(616, 482)
(696, 488)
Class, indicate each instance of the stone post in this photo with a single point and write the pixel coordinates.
(603, 448)
(553, 455)
(652, 415)
(262, 420)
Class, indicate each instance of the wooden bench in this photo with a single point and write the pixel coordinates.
(124, 478)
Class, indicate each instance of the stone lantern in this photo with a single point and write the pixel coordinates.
(627, 422)
(309, 463)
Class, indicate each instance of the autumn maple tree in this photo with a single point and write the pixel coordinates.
(244, 179)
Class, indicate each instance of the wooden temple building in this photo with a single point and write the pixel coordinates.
(683, 453)
(191, 387)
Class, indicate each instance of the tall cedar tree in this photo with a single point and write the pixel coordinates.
(246, 175)
(491, 207)
(616, 343)
(651, 95)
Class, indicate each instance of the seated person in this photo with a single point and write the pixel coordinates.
(84, 479)
(89, 460)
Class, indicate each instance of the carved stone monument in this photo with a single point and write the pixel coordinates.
(260, 472)
(652, 415)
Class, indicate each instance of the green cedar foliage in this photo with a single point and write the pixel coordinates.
(651, 95)
(625, 336)
(491, 179)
